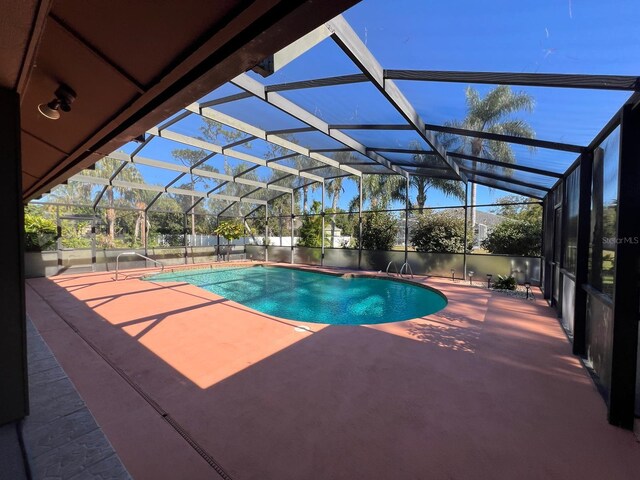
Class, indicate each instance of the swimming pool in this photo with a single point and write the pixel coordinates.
(314, 297)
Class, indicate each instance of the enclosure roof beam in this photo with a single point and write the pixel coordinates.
(534, 142)
(270, 183)
(531, 142)
(372, 126)
(276, 197)
(595, 82)
(286, 55)
(225, 209)
(337, 176)
(212, 147)
(195, 204)
(182, 115)
(183, 169)
(227, 99)
(283, 157)
(300, 187)
(289, 131)
(254, 210)
(115, 173)
(510, 189)
(244, 172)
(250, 193)
(262, 134)
(503, 179)
(348, 40)
(181, 175)
(275, 99)
(157, 197)
(99, 196)
(427, 172)
(404, 150)
(159, 188)
(242, 141)
(424, 165)
(513, 166)
(330, 150)
(319, 82)
(468, 133)
(153, 200)
(207, 174)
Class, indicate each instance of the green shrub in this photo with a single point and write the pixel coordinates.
(40, 232)
(514, 237)
(438, 232)
(310, 232)
(379, 231)
(505, 282)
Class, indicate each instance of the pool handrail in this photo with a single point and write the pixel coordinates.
(139, 255)
(394, 266)
(409, 270)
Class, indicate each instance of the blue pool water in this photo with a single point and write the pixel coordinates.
(314, 297)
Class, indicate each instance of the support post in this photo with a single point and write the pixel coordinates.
(266, 233)
(293, 220)
(360, 222)
(406, 219)
(322, 232)
(547, 244)
(218, 239)
(93, 242)
(626, 300)
(14, 398)
(466, 228)
(185, 230)
(582, 255)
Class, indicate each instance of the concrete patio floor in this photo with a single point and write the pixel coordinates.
(186, 384)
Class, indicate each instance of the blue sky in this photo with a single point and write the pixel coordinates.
(543, 36)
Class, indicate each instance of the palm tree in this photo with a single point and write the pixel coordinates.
(422, 184)
(451, 188)
(493, 114)
(212, 132)
(380, 190)
(334, 188)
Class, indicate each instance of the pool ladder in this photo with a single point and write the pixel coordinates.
(394, 266)
(406, 268)
(139, 255)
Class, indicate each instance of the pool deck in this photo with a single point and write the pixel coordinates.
(185, 384)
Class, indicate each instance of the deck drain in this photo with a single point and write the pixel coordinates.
(302, 328)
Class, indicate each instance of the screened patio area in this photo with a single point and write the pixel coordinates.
(323, 158)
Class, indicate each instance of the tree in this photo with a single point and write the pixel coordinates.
(310, 231)
(521, 231)
(379, 230)
(422, 184)
(231, 230)
(213, 132)
(334, 188)
(118, 196)
(441, 232)
(167, 220)
(380, 190)
(493, 114)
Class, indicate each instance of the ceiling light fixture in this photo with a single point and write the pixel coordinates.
(64, 97)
